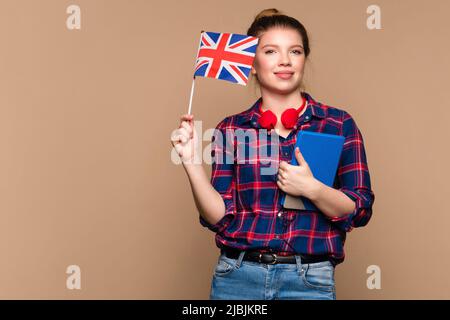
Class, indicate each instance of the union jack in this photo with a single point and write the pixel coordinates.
(225, 56)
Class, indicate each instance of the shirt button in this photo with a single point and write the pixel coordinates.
(279, 214)
(285, 153)
(307, 117)
(277, 237)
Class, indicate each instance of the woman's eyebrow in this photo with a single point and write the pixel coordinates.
(274, 45)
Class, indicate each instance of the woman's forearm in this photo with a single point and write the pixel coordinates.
(332, 202)
(207, 200)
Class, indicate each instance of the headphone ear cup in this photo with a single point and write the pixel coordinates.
(289, 118)
(268, 120)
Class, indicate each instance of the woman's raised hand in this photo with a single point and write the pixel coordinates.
(184, 139)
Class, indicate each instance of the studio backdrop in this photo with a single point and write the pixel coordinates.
(92, 205)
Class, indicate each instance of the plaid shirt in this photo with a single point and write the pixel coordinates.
(255, 218)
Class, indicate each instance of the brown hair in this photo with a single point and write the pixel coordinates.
(271, 18)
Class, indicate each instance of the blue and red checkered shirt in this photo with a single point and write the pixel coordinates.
(254, 217)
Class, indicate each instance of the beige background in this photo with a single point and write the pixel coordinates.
(85, 123)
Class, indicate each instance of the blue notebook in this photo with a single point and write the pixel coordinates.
(322, 152)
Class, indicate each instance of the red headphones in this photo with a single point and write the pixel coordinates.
(289, 117)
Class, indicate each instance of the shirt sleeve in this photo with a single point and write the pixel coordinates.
(222, 176)
(354, 178)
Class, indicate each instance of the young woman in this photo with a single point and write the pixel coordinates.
(267, 251)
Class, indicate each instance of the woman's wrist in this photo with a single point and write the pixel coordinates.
(316, 190)
(192, 168)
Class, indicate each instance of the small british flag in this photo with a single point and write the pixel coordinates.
(225, 56)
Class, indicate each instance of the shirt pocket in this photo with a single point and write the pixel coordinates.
(247, 179)
(257, 184)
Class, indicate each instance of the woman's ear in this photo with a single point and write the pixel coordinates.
(253, 71)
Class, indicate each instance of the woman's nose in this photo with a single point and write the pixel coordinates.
(285, 61)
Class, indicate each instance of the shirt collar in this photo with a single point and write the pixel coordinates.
(313, 108)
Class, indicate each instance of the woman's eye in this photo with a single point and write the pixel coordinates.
(296, 51)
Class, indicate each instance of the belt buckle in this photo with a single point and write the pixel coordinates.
(273, 255)
(274, 258)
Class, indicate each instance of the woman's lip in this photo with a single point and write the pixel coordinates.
(284, 75)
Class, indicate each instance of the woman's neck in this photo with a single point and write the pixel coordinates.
(277, 103)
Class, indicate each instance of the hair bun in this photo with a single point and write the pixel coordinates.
(268, 13)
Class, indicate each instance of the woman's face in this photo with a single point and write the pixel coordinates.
(279, 60)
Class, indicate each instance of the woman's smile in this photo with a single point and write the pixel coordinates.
(284, 75)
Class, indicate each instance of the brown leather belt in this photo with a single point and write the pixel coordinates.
(272, 258)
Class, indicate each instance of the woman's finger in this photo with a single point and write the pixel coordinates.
(280, 184)
(179, 149)
(177, 139)
(186, 117)
(185, 133)
(175, 136)
(188, 128)
(283, 165)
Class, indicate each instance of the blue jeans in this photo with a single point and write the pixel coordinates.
(238, 279)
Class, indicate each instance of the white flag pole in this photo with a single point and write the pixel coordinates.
(193, 80)
(192, 93)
